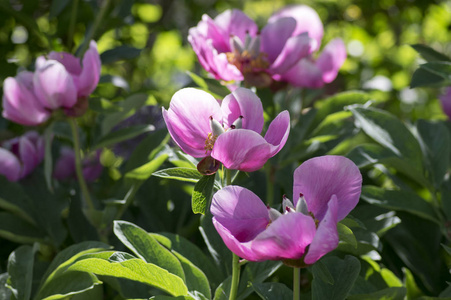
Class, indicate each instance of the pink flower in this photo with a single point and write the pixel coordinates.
(228, 132)
(445, 99)
(309, 72)
(328, 188)
(230, 47)
(21, 155)
(65, 166)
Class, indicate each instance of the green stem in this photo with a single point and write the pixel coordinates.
(78, 164)
(296, 283)
(235, 276)
(128, 199)
(97, 20)
(73, 18)
(228, 177)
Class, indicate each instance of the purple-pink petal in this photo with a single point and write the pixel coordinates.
(235, 22)
(326, 237)
(307, 20)
(285, 238)
(28, 156)
(243, 102)
(70, 62)
(188, 119)
(239, 215)
(305, 74)
(278, 132)
(445, 99)
(274, 36)
(90, 74)
(9, 165)
(321, 177)
(242, 149)
(65, 165)
(295, 48)
(53, 85)
(331, 59)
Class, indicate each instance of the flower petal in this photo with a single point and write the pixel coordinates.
(285, 238)
(305, 74)
(331, 59)
(65, 165)
(326, 237)
(89, 78)
(275, 35)
(243, 102)
(445, 99)
(28, 155)
(307, 20)
(19, 103)
(70, 62)
(188, 119)
(278, 132)
(9, 165)
(321, 177)
(242, 149)
(295, 48)
(235, 22)
(238, 215)
(53, 85)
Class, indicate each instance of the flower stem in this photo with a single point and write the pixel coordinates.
(296, 283)
(228, 177)
(78, 164)
(73, 18)
(235, 276)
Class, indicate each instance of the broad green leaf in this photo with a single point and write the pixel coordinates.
(5, 292)
(413, 291)
(20, 270)
(96, 293)
(346, 235)
(399, 200)
(389, 132)
(122, 52)
(273, 291)
(392, 293)
(210, 85)
(322, 272)
(422, 77)
(145, 171)
(202, 194)
(447, 249)
(344, 271)
(147, 248)
(436, 145)
(255, 272)
(14, 199)
(68, 284)
(182, 174)
(429, 54)
(223, 290)
(194, 277)
(134, 269)
(122, 135)
(17, 230)
(439, 68)
(102, 105)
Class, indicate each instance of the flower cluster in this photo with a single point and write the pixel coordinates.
(60, 81)
(231, 47)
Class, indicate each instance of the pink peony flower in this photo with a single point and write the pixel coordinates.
(328, 188)
(20, 156)
(228, 132)
(65, 166)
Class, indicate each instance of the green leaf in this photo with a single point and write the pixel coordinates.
(122, 52)
(147, 248)
(255, 272)
(103, 106)
(273, 291)
(389, 132)
(413, 291)
(322, 272)
(346, 235)
(202, 193)
(429, 54)
(344, 271)
(392, 293)
(210, 85)
(435, 142)
(14, 199)
(181, 174)
(194, 277)
(20, 270)
(422, 77)
(57, 7)
(5, 292)
(122, 135)
(134, 269)
(439, 68)
(399, 200)
(145, 171)
(19, 231)
(68, 284)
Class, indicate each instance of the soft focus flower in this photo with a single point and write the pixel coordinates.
(21, 155)
(228, 132)
(65, 166)
(326, 189)
(230, 47)
(445, 99)
(59, 82)
(309, 72)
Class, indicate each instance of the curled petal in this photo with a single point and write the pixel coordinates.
(90, 74)
(331, 59)
(278, 132)
(239, 215)
(305, 74)
(243, 102)
(235, 22)
(188, 119)
(296, 48)
(285, 238)
(242, 149)
(274, 36)
(321, 177)
(326, 237)
(307, 20)
(53, 85)
(9, 165)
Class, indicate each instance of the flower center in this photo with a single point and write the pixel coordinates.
(218, 129)
(247, 58)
